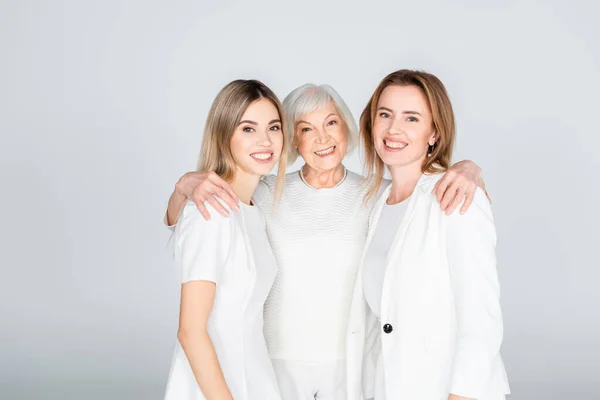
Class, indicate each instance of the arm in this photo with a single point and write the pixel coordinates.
(459, 183)
(203, 248)
(199, 187)
(471, 242)
(197, 299)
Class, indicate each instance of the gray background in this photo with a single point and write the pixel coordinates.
(102, 106)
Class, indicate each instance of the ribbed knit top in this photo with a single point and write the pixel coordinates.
(317, 237)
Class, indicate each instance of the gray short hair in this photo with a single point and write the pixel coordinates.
(306, 99)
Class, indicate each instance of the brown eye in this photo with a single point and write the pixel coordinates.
(248, 129)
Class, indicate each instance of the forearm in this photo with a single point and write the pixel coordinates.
(456, 397)
(176, 203)
(202, 357)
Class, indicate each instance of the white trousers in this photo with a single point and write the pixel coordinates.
(319, 380)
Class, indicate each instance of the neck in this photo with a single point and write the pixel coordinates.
(244, 184)
(323, 178)
(404, 181)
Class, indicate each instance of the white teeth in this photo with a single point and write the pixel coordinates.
(261, 156)
(326, 151)
(395, 145)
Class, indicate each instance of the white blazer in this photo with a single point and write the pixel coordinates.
(441, 324)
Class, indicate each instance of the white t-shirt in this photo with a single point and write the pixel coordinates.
(377, 253)
(235, 254)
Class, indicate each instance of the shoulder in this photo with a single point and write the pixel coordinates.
(269, 181)
(362, 185)
(265, 189)
(191, 221)
(354, 177)
(480, 203)
(428, 181)
(478, 217)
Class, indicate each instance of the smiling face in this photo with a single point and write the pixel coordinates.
(403, 126)
(322, 138)
(257, 141)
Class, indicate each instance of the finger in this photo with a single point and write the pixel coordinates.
(218, 206)
(224, 191)
(221, 183)
(435, 187)
(203, 191)
(442, 185)
(202, 209)
(458, 198)
(468, 201)
(448, 196)
(226, 197)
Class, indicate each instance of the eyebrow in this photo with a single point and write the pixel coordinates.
(403, 112)
(247, 121)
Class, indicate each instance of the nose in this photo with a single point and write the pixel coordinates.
(265, 139)
(322, 136)
(395, 126)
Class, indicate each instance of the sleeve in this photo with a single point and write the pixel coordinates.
(470, 247)
(169, 227)
(203, 246)
(371, 354)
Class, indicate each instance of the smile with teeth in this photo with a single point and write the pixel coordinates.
(325, 152)
(395, 145)
(262, 156)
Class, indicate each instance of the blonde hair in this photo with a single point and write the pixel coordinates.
(225, 114)
(440, 154)
(306, 99)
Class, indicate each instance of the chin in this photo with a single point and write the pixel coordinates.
(326, 165)
(264, 171)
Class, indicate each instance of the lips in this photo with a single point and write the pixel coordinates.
(263, 157)
(325, 152)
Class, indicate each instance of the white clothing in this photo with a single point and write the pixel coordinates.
(303, 380)
(317, 236)
(374, 269)
(441, 324)
(235, 254)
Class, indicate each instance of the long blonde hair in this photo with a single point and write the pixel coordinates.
(440, 154)
(224, 116)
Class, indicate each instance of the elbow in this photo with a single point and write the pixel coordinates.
(187, 336)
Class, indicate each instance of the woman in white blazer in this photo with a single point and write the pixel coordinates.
(226, 263)
(425, 321)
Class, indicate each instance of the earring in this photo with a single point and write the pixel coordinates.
(430, 149)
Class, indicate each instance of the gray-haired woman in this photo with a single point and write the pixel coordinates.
(317, 233)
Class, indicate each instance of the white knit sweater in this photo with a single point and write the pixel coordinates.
(317, 236)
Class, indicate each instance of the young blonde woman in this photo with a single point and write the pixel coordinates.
(226, 263)
(317, 233)
(426, 314)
